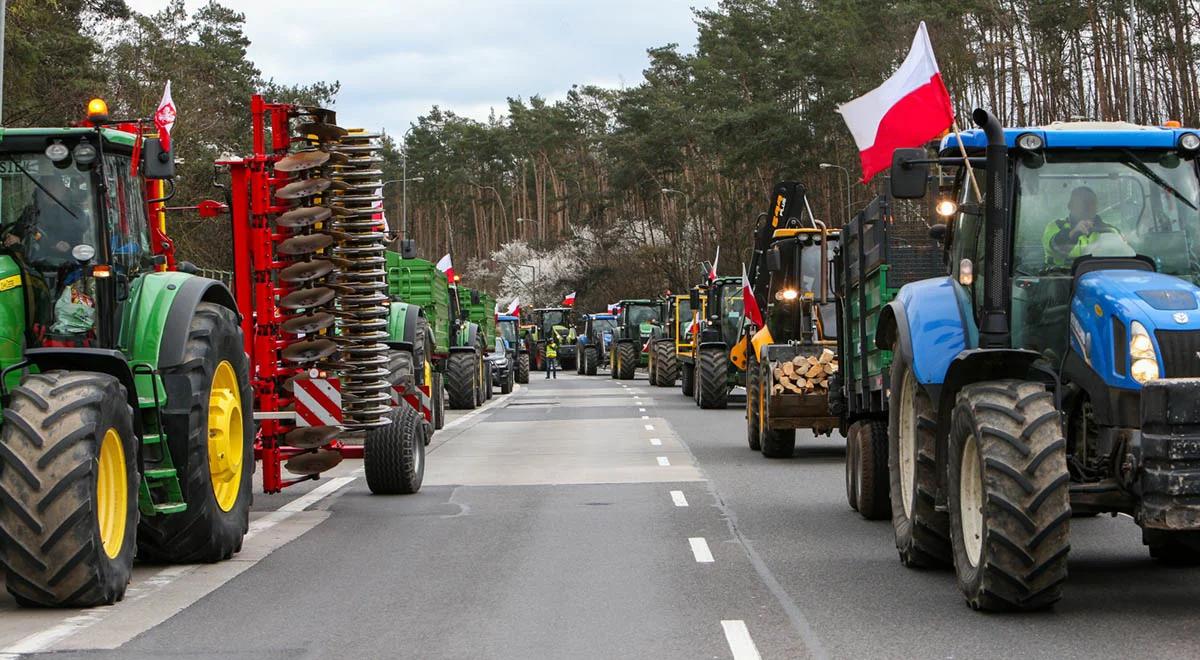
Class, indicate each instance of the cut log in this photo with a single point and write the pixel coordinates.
(826, 356)
(813, 371)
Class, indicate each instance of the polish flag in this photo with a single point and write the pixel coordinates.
(907, 110)
(749, 302)
(712, 274)
(446, 267)
(164, 118)
(569, 301)
(513, 307)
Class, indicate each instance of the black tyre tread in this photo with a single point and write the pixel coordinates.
(522, 375)
(778, 443)
(437, 392)
(49, 542)
(461, 374)
(923, 541)
(871, 452)
(589, 361)
(687, 379)
(714, 378)
(1027, 508)
(629, 360)
(853, 466)
(203, 533)
(665, 367)
(394, 455)
(752, 394)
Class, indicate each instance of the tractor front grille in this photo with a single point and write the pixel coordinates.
(1180, 352)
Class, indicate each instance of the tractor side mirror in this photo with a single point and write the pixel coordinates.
(909, 178)
(408, 248)
(187, 267)
(774, 260)
(157, 163)
(694, 299)
(937, 231)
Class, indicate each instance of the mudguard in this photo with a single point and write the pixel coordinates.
(468, 339)
(100, 360)
(154, 330)
(936, 312)
(402, 325)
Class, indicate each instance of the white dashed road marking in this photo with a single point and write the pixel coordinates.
(700, 550)
(655, 441)
(678, 498)
(662, 460)
(740, 644)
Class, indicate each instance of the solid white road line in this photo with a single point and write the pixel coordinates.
(649, 427)
(678, 498)
(740, 644)
(700, 550)
(662, 460)
(42, 640)
(655, 441)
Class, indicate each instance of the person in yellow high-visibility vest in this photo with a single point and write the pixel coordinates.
(1066, 239)
(552, 358)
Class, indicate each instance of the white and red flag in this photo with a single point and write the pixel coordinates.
(446, 267)
(907, 110)
(164, 118)
(569, 299)
(513, 307)
(712, 274)
(749, 302)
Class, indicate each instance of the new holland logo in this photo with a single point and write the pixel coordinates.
(1180, 317)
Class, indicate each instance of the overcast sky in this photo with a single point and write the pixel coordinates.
(397, 58)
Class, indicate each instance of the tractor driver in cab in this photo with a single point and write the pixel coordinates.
(1066, 239)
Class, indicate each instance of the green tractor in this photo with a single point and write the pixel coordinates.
(663, 359)
(637, 322)
(456, 345)
(127, 425)
(708, 373)
(481, 311)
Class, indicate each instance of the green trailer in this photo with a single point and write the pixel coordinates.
(127, 424)
(481, 310)
(456, 344)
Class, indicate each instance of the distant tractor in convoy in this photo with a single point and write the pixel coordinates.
(594, 345)
(555, 322)
(1053, 371)
(707, 371)
(637, 322)
(127, 424)
(663, 363)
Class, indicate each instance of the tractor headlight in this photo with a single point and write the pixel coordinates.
(787, 295)
(1141, 350)
(1189, 142)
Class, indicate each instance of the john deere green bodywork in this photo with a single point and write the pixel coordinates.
(419, 282)
(482, 313)
(12, 317)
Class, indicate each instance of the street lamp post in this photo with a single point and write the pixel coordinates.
(826, 166)
(404, 199)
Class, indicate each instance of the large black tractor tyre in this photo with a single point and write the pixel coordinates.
(867, 470)
(437, 394)
(489, 381)
(1010, 511)
(714, 378)
(628, 353)
(579, 361)
(210, 432)
(753, 405)
(522, 373)
(589, 360)
(394, 454)
(922, 532)
(507, 386)
(666, 369)
(67, 436)
(462, 374)
(651, 368)
(687, 379)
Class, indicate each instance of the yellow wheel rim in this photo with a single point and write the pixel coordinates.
(225, 441)
(112, 494)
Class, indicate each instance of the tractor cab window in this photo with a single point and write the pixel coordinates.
(551, 319)
(601, 326)
(683, 317)
(128, 229)
(508, 330)
(731, 309)
(1095, 203)
(45, 212)
(639, 316)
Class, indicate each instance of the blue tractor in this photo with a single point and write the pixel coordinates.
(595, 342)
(1053, 372)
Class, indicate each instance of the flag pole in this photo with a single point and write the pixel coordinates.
(966, 160)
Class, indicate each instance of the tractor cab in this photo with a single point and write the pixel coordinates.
(557, 322)
(75, 235)
(724, 308)
(637, 322)
(800, 298)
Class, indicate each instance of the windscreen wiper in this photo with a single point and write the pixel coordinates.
(40, 186)
(1139, 165)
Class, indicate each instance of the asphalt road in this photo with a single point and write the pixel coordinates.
(587, 518)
